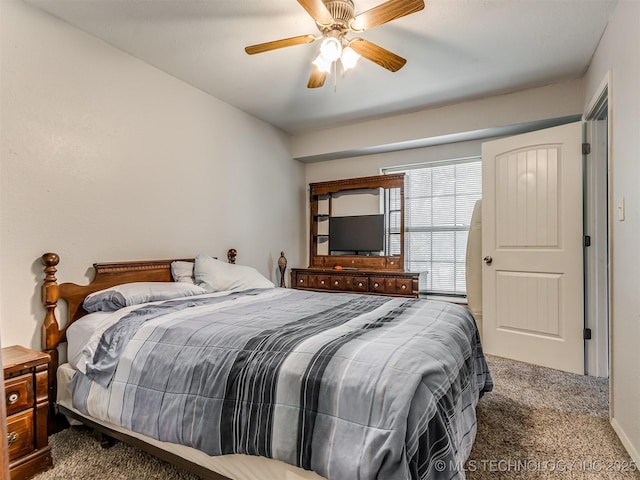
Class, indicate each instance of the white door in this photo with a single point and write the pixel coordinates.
(532, 236)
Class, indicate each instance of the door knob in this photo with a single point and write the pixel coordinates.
(488, 260)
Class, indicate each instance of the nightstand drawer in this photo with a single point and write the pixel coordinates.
(20, 434)
(18, 393)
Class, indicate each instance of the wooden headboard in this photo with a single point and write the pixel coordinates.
(106, 275)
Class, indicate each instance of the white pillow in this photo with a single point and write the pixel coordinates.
(127, 294)
(182, 272)
(79, 334)
(216, 276)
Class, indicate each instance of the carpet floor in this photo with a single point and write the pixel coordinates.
(536, 424)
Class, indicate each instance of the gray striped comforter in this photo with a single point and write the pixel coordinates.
(353, 387)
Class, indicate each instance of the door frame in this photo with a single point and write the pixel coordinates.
(601, 327)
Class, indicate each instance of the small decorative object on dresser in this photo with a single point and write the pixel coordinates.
(282, 266)
(27, 403)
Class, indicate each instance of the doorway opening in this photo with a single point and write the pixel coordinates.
(596, 229)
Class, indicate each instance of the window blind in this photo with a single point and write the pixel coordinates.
(439, 201)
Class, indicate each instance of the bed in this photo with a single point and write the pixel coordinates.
(242, 380)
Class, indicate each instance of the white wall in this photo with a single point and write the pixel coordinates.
(105, 158)
(619, 51)
(366, 165)
(536, 104)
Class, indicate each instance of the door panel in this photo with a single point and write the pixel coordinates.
(527, 196)
(529, 302)
(532, 230)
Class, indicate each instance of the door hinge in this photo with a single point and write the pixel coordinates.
(587, 240)
(587, 334)
(586, 148)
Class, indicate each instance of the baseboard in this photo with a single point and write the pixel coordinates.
(626, 442)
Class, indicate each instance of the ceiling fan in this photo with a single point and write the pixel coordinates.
(335, 19)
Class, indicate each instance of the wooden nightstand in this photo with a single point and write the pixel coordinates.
(27, 402)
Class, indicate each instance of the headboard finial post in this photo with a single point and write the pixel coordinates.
(51, 332)
(50, 296)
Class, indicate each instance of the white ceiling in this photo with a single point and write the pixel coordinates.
(455, 50)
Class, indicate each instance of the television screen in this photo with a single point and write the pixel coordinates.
(360, 233)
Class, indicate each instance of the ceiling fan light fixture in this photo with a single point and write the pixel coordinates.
(331, 49)
(349, 58)
(323, 64)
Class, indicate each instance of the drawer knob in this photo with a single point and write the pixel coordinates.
(336, 282)
(376, 284)
(12, 438)
(359, 284)
(301, 281)
(13, 397)
(321, 282)
(403, 287)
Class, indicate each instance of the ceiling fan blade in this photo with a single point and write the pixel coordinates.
(285, 42)
(318, 10)
(379, 55)
(385, 12)
(317, 78)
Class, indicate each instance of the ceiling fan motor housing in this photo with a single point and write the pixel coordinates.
(342, 13)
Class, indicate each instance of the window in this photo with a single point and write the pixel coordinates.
(439, 201)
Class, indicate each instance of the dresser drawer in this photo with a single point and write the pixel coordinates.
(393, 263)
(18, 393)
(339, 282)
(360, 284)
(376, 284)
(20, 434)
(371, 262)
(404, 285)
(301, 281)
(390, 285)
(322, 282)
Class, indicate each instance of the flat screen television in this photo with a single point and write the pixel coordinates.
(358, 234)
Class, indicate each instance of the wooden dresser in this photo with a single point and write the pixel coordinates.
(380, 273)
(377, 282)
(27, 403)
